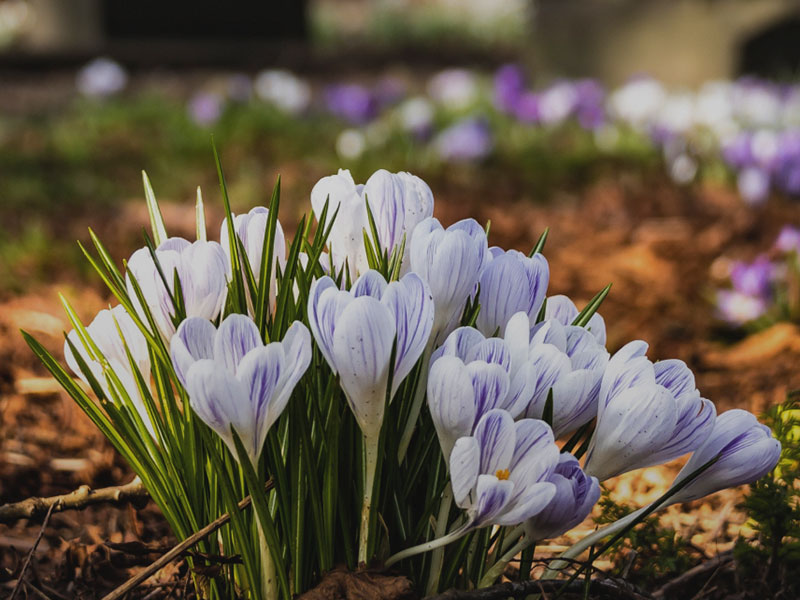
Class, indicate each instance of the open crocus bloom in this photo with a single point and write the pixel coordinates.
(398, 201)
(647, 414)
(509, 283)
(576, 494)
(450, 260)
(234, 380)
(746, 449)
(570, 362)
(500, 474)
(105, 332)
(471, 375)
(252, 229)
(201, 267)
(355, 331)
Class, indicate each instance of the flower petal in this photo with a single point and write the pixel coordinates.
(193, 341)
(464, 461)
(236, 336)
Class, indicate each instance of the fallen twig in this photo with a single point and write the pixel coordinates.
(176, 551)
(28, 558)
(667, 590)
(79, 499)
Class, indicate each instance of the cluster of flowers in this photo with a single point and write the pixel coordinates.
(750, 126)
(401, 310)
(766, 289)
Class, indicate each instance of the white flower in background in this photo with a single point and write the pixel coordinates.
(351, 144)
(101, 78)
(105, 332)
(557, 102)
(450, 260)
(284, 90)
(201, 267)
(637, 102)
(234, 380)
(251, 229)
(455, 89)
(647, 414)
(416, 115)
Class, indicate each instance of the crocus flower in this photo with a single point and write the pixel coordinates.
(509, 85)
(200, 267)
(416, 116)
(398, 202)
(788, 239)
(101, 78)
(510, 283)
(753, 279)
(746, 449)
(251, 230)
(355, 332)
(647, 414)
(569, 361)
(468, 140)
(737, 308)
(455, 89)
(500, 475)
(450, 260)
(471, 375)
(563, 310)
(105, 332)
(576, 494)
(234, 380)
(205, 108)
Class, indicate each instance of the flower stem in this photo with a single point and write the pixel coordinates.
(437, 558)
(371, 443)
(500, 566)
(428, 546)
(269, 582)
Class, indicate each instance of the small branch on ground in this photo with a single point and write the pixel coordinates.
(602, 588)
(711, 566)
(177, 551)
(28, 558)
(34, 508)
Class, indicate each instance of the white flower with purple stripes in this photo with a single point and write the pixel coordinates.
(234, 380)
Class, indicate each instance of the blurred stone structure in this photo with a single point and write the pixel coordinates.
(681, 42)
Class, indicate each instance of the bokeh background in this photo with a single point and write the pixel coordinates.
(658, 139)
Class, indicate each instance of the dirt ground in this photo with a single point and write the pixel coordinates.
(659, 245)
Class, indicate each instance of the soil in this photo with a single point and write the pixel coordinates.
(661, 247)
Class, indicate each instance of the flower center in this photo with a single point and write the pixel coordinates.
(502, 474)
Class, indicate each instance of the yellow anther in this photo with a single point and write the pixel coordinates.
(502, 474)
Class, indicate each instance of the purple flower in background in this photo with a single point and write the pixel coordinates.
(527, 108)
(500, 475)
(509, 85)
(101, 78)
(788, 239)
(737, 308)
(753, 184)
(590, 104)
(205, 108)
(576, 494)
(234, 380)
(353, 102)
(465, 141)
(737, 150)
(390, 90)
(746, 449)
(753, 279)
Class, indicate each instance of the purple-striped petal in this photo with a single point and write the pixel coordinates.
(236, 336)
(495, 433)
(464, 461)
(193, 341)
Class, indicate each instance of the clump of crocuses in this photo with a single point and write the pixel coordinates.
(766, 289)
(382, 386)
